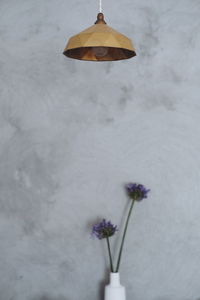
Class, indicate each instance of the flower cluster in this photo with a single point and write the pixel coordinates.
(136, 191)
(104, 229)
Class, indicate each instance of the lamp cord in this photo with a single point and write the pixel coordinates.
(100, 6)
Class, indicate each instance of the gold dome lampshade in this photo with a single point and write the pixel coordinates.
(99, 43)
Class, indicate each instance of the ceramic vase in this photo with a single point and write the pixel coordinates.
(114, 290)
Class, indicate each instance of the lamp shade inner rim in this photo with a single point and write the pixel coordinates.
(91, 53)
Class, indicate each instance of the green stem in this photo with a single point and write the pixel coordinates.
(110, 256)
(123, 237)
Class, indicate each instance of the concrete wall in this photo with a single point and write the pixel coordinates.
(72, 133)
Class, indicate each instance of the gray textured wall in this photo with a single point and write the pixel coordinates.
(72, 133)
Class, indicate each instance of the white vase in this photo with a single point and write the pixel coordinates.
(114, 290)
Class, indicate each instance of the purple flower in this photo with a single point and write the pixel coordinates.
(136, 191)
(104, 229)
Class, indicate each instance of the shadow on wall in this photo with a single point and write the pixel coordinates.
(101, 294)
(48, 297)
(165, 298)
(103, 283)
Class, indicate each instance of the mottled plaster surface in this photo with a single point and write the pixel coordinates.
(72, 133)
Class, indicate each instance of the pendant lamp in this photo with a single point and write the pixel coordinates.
(99, 43)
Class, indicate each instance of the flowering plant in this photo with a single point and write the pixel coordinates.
(105, 229)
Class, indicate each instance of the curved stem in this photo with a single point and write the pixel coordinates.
(123, 237)
(110, 256)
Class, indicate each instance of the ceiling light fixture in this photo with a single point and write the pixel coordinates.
(99, 43)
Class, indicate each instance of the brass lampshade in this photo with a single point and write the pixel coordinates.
(99, 43)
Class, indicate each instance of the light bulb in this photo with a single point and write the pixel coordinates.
(100, 51)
